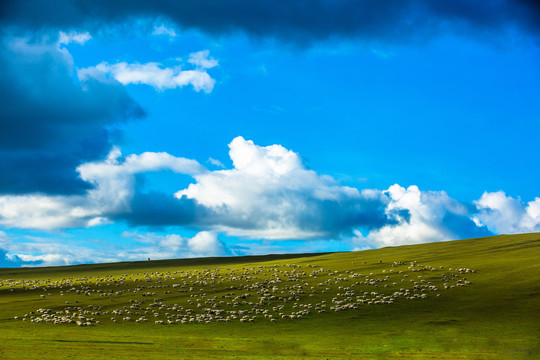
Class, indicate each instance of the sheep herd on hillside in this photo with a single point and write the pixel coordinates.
(263, 293)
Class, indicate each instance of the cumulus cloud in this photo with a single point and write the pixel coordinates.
(205, 244)
(267, 194)
(51, 123)
(113, 179)
(296, 21)
(155, 75)
(45, 212)
(270, 194)
(112, 192)
(506, 215)
(420, 216)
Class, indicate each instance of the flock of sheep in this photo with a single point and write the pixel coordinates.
(269, 293)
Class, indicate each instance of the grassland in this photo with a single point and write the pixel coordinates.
(466, 299)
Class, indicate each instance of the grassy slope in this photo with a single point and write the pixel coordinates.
(497, 317)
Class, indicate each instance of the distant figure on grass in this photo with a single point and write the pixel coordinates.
(148, 259)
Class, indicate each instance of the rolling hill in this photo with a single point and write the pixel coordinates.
(464, 299)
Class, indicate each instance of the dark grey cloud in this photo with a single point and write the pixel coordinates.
(332, 219)
(34, 171)
(464, 228)
(325, 218)
(157, 209)
(337, 218)
(298, 21)
(49, 122)
(321, 218)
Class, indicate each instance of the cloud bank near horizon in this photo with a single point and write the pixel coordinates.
(267, 194)
(136, 247)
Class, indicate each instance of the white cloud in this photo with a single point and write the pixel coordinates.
(44, 212)
(67, 38)
(162, 30)
(113, 180)
(48, 252)
(417, 217)
(202, 59)
(172, 242)
(52, 252)
(205, 243)
(155, 75)
(48, 259)
(216, 162)
(268, 194)
(505, 215)
(202, 244)
(533, 210)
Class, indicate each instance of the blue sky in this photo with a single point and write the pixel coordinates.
(169, 129)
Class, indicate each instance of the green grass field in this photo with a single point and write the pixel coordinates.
(466, 299)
